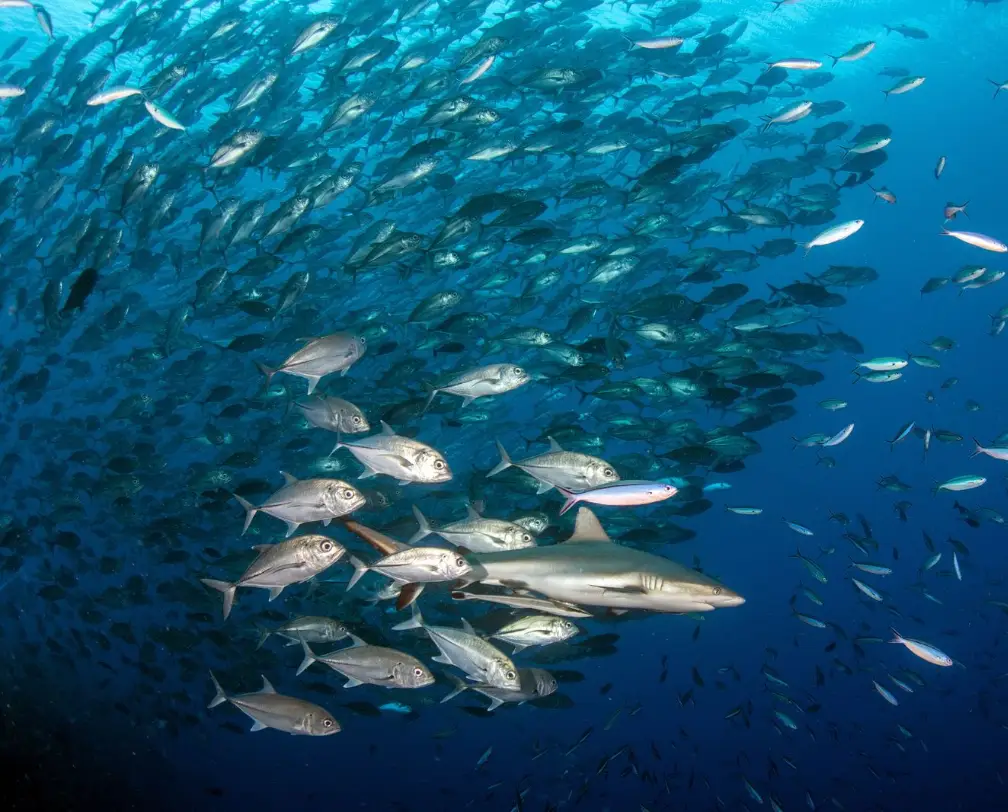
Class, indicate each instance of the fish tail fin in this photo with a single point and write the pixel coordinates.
(505, 461)
(264, 635)
(897, 637)
(227, 588)
(268, 372)
(460, 686)
(309, 657)
(250, 511)
(979, 448)
(431, 394)
(571, 498)
(219, 696)
(415, 622)
(962, 210)
(424, 528)
(835, 60)
(339, 442)
(359, 569)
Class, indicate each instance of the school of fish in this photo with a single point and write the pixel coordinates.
(415, 333)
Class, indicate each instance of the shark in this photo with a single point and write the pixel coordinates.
(589, 569)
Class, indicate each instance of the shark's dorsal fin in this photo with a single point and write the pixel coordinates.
(554, 445)
(587, 528)
(386, 428)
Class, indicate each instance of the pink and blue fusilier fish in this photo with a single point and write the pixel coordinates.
(624, 493)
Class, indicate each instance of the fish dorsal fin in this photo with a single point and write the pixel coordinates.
(387, 429)
(472, 513)
(288, 478)
(356, 641)
(267, 687)
(554, 445)
(468, 627)
(587, 528)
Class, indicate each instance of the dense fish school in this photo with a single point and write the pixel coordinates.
(415, 357)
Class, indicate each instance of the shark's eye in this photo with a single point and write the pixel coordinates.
(716, 590)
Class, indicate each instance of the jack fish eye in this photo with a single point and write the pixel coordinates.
(509, 676)
(327, 722)
(460, 562)
(518, 372)
(326, 546)
(608, 472)
(438, 464)
(418, 672)
(348, 494)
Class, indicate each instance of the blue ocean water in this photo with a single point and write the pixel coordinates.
(105, 687)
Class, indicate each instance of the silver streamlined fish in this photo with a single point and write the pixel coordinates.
(281, 565)
(301, 501)
(405, 459)
(266, 708)
(363, 664)
(320, 357)
(476, 533)
(494, 379)
(468, 652)
(557, 468)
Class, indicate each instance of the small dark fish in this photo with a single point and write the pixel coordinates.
(82, 287)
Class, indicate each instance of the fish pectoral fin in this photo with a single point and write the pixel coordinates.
(274, 592)
(440, 658)
(543, 487)
(367, 473)
(352, 682)
(257, 726)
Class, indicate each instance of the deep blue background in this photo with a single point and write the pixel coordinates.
(959, 715)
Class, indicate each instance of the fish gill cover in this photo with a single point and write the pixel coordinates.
(512, 405)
